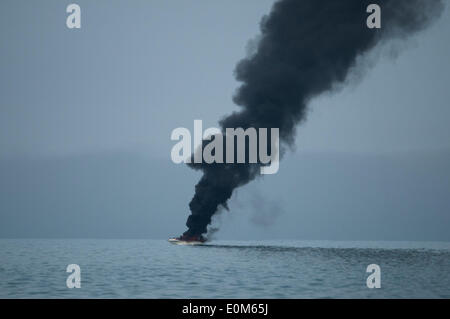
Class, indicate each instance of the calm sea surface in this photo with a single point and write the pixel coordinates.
(223, 269)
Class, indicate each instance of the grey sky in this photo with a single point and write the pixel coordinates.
(138, 69)
(135, 72)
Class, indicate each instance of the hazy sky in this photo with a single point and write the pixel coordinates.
(138, 69)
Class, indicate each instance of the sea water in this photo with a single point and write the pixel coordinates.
(36, 268)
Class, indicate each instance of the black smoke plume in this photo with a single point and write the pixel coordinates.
(306, 48)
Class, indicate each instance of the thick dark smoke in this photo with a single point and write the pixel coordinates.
(306, 47)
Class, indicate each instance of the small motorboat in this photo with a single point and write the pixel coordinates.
(185, 240)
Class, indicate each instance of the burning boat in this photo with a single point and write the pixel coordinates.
(187, 240)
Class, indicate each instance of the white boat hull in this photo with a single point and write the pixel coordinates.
(176, 241)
